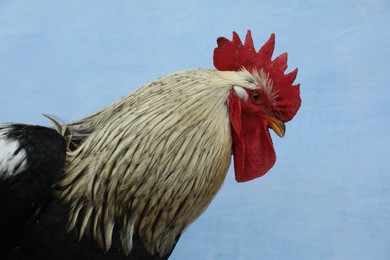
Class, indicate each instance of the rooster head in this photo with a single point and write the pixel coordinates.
(268, 101)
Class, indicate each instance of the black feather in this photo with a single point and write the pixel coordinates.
(24, 194)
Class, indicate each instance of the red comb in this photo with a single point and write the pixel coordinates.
(233, 55)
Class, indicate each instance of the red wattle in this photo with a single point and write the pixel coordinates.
(253, 150)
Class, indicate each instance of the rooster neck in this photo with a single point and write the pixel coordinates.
(153, 163)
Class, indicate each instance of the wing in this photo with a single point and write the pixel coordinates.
(31, 160)
(32, 221)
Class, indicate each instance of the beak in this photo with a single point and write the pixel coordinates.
(276, 125)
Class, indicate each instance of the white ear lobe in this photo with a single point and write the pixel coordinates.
(241, 93)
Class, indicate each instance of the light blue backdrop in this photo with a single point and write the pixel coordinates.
(328, 197)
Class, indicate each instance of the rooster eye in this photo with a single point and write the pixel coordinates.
(256, 97)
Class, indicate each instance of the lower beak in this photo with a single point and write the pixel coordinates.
(276, 125)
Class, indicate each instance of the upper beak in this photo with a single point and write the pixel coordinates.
(276, 125)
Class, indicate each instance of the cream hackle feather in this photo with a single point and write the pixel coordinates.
(152, 161)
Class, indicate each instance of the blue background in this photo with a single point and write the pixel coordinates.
(328, 196)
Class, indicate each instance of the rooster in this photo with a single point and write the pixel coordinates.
(126, 181)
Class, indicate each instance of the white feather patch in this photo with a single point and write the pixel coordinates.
(241, 93)
(10, 163)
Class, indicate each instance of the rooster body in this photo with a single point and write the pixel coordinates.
(139, 171)
(176, 131)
